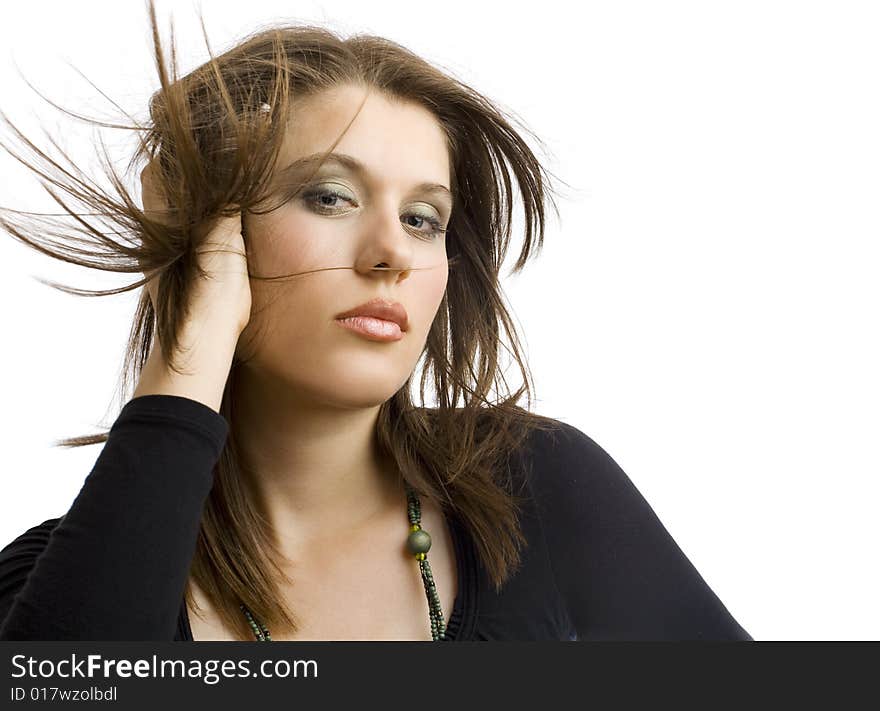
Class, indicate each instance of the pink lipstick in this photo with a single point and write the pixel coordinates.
(375, 329)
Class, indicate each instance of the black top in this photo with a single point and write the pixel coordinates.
(599, 564)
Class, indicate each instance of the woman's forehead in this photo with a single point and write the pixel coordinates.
(378, 137)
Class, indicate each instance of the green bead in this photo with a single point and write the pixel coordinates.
(418, 542)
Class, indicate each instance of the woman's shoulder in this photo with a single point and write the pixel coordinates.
(550, 453)
(17, 559)
(18, 556)
(24, 548)
(572, 475)
(557, 453)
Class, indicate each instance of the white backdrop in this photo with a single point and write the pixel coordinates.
(704, 309)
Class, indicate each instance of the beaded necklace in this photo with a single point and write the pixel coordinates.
(418, 543)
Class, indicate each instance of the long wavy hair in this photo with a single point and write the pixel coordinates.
(215, 135)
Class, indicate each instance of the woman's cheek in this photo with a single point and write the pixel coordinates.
(431, 293)
(282, 251)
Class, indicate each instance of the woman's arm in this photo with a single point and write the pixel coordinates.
(116, 565)
(622, 575)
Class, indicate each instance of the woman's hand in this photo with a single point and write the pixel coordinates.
(223, 299)
(218, 311)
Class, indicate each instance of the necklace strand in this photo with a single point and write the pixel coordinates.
(418, 543)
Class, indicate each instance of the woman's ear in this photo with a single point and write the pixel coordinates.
(154, 203)
(155, 208)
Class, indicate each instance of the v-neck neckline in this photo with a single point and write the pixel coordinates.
(464, 609)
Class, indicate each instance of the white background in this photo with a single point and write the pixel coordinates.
(705, 309)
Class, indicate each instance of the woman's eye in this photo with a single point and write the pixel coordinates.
(436, 228)
(327, 200)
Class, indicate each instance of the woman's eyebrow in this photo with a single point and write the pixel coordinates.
(355, 166)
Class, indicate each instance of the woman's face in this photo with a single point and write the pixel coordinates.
(382, 216)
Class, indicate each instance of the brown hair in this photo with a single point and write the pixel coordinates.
(215, 146)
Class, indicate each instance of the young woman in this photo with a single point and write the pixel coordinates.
(319, 216)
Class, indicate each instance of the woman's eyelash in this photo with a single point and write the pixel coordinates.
(308, 197)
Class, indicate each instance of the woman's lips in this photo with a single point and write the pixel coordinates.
(374, 329)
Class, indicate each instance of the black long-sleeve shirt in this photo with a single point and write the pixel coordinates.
(599, 564)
